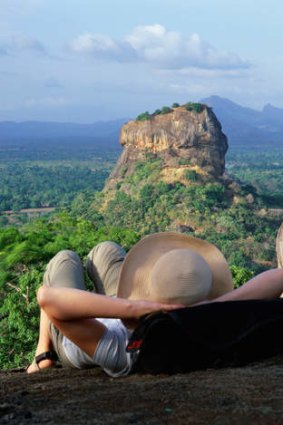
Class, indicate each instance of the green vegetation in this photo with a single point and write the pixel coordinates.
(263, 169)
(185, 161)
(166, 110)
(196, 107)
(191, 175)
(190, 106)
(31, 177)
(33, 186)
(145, 116)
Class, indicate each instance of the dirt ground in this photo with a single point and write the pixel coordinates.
(251, 395)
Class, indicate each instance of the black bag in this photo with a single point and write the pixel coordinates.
(214, 335)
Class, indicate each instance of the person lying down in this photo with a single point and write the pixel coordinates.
(162, 272)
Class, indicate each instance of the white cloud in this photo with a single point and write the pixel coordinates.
(163, 49)
(103, 47)
(19, 43)
(92, 43)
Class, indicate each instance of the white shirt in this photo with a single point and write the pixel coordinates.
(110, 353)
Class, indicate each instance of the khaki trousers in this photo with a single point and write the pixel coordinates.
(65, 270)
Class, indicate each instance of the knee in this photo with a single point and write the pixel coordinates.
(66, 254)
(102, 247)
(107, 250)
(60, 257)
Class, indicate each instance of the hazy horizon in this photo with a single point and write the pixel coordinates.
(222, 103)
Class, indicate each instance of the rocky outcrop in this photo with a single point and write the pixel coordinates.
(236, 396)
(180, 137)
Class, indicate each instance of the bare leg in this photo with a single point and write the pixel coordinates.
(44, 344)
(64, 270)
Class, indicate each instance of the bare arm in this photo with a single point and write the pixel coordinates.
(266, 285)
(68, 304)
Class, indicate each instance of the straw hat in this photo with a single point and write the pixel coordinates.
(174, 268)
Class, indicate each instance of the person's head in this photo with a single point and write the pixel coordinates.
(174, 268)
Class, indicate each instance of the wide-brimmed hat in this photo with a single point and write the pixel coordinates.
(172, 267)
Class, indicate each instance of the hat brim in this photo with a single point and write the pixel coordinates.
(135, 272)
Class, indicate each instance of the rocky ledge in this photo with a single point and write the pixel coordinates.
(180, 138)
(246, 395)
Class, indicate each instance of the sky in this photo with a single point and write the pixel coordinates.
(91, 60)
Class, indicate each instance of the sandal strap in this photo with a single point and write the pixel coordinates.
(51, 355)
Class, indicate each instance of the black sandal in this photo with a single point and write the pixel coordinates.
(47, 355)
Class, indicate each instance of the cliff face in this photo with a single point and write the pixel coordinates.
(179, 138)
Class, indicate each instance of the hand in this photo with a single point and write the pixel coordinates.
(146, 307)
(142, 308)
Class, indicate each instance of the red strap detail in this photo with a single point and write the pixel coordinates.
(135, 345)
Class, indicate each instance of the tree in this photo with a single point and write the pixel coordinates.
(166, 110)
(196, 107)
(240, 275)
(145, 116)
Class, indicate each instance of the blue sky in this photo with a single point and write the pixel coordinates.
(90, 60)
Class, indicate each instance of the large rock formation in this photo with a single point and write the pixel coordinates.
(182, 138)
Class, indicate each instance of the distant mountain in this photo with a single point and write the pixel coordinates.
(273, 114)
(35, 130)
(246, 126)
(243, 127)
